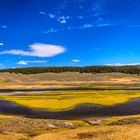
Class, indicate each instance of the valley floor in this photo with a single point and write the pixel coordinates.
(18, 126)
(68, 80)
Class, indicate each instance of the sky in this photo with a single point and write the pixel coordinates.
(69, 32)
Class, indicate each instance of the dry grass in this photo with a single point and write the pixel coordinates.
(121, 118)
(41, 129)
(12, 136)
(36, 126)
(67, 100)
(126, 132)
(67, 80)
(6, 116)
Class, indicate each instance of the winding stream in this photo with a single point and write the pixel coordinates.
(79, 112)
(63, 89)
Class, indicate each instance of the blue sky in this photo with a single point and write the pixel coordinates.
(69, 32)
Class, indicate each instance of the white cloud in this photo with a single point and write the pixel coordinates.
(51, 15)
(75, 60)
(87, 26)
(34, 61)
(121, 64)
(42, 13)
(62, 19)
(92, 25)
(1, 44)
(134, 64)
(38, 50)
(22, 63)
(84, 26)
(106, 24)
(51, 30)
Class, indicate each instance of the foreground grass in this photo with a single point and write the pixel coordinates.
(35, 129)
(119, 118)
(124, 132)
(56, 101)
(6, 116)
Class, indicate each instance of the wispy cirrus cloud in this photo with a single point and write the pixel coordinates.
(1, 43)
(51, 30)
(84, 26)
(87, 26)
(95, 12)
(51, 15)
(76, 60)
(42, 13)
(22, 62)
(123, 64)
(38, 50)
(92, 25)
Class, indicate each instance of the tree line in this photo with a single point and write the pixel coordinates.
(86, 69)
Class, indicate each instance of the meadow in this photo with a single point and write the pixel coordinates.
(123, 132)
(67, 80)
(115, 127)
(66, 100)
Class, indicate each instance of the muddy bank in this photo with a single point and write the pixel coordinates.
(79, 112)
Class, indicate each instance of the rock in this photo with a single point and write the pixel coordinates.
(96, 122)
(52, 126)
(70, 125)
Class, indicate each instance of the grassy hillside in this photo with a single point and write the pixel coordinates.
(121, 132)
(67, 80)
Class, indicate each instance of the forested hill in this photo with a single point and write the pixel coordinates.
(87, 69)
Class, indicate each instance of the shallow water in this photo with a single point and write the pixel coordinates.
(62, 89)
(79, 112)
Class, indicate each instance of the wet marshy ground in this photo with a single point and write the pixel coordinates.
(63, 89)
(79, 112)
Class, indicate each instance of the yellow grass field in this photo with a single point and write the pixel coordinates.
(124, 132)
(17, 127)
(67, 80)
(64, 100)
